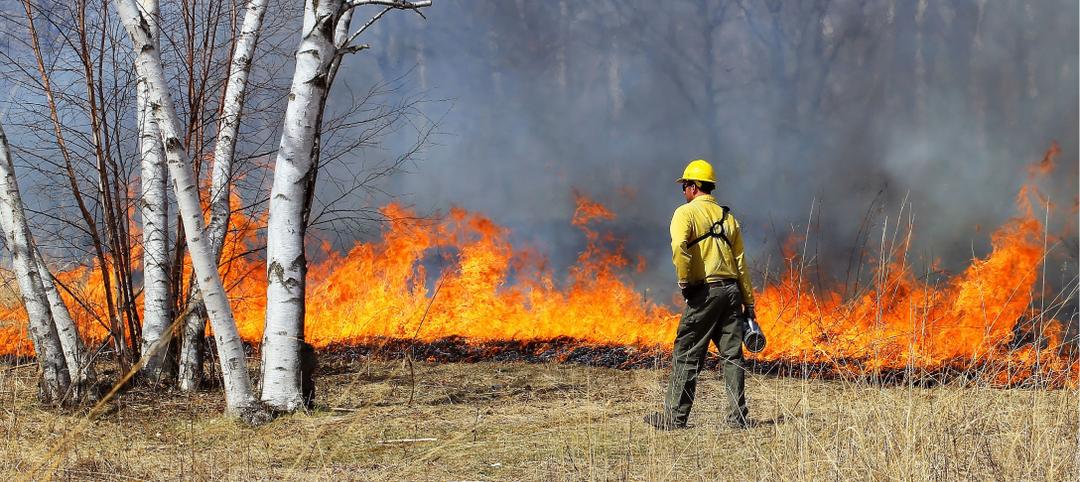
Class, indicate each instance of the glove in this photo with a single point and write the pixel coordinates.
(686, 290)
(749, 312)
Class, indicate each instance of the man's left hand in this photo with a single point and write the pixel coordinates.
(684, 288)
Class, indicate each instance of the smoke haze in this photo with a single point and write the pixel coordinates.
(846, 108)
(822, 117)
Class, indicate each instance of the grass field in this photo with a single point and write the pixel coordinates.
(377, 420)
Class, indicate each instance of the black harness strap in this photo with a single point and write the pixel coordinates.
(715, 231)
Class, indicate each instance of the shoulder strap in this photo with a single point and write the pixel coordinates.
(715, 231)
(722, 234)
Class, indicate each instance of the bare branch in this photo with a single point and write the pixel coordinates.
(348, 49)
(398, 4)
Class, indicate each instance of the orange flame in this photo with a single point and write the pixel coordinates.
(461, 277)
(1046, 165)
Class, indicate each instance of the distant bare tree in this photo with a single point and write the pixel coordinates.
(79, 362)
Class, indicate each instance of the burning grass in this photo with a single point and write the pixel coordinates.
(493, 293)
(509, 305)
(390, 420)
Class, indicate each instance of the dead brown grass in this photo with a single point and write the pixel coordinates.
(497, 421)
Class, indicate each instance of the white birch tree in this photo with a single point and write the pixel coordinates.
(79, 363)
(238, 393)
(221, 180)
(55, 377)
(321, 47)
(157, 306)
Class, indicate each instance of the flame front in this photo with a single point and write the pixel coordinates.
(461, 277)
(966, 323)
(489, 292)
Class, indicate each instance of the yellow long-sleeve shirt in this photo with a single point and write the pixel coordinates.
(711, 259)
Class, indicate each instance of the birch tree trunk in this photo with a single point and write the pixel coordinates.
(286, 265)
(80, 370)
(191, 347)
(238, 393)
(157, 306)
(322, 43)
(55, 378)
(221, 181)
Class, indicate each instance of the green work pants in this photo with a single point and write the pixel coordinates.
(712, 314)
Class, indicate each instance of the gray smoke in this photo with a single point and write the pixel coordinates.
(844, 107)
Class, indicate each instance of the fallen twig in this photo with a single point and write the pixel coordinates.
(407, 440)
(16, 367)
(343, 409)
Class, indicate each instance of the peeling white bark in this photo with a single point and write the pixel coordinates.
(229, 124)
(191, 348)
(80, 370)
(286, 265)
(157, 307)
(321, 45)
(55, 378)
(238, 393)
(221, 180)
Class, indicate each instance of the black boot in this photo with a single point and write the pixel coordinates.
(739, 422)
(660, 421)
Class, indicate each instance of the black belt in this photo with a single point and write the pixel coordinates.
(723, 282)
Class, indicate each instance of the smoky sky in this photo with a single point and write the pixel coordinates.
(832, 113)
(835, 120)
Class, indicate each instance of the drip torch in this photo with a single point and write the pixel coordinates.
(753, 338)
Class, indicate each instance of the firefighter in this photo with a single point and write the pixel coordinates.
(707, 250)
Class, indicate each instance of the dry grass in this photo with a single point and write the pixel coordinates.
(497, 421)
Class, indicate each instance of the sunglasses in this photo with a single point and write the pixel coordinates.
(686, 185)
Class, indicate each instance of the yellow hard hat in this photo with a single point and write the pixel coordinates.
(699, 170)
